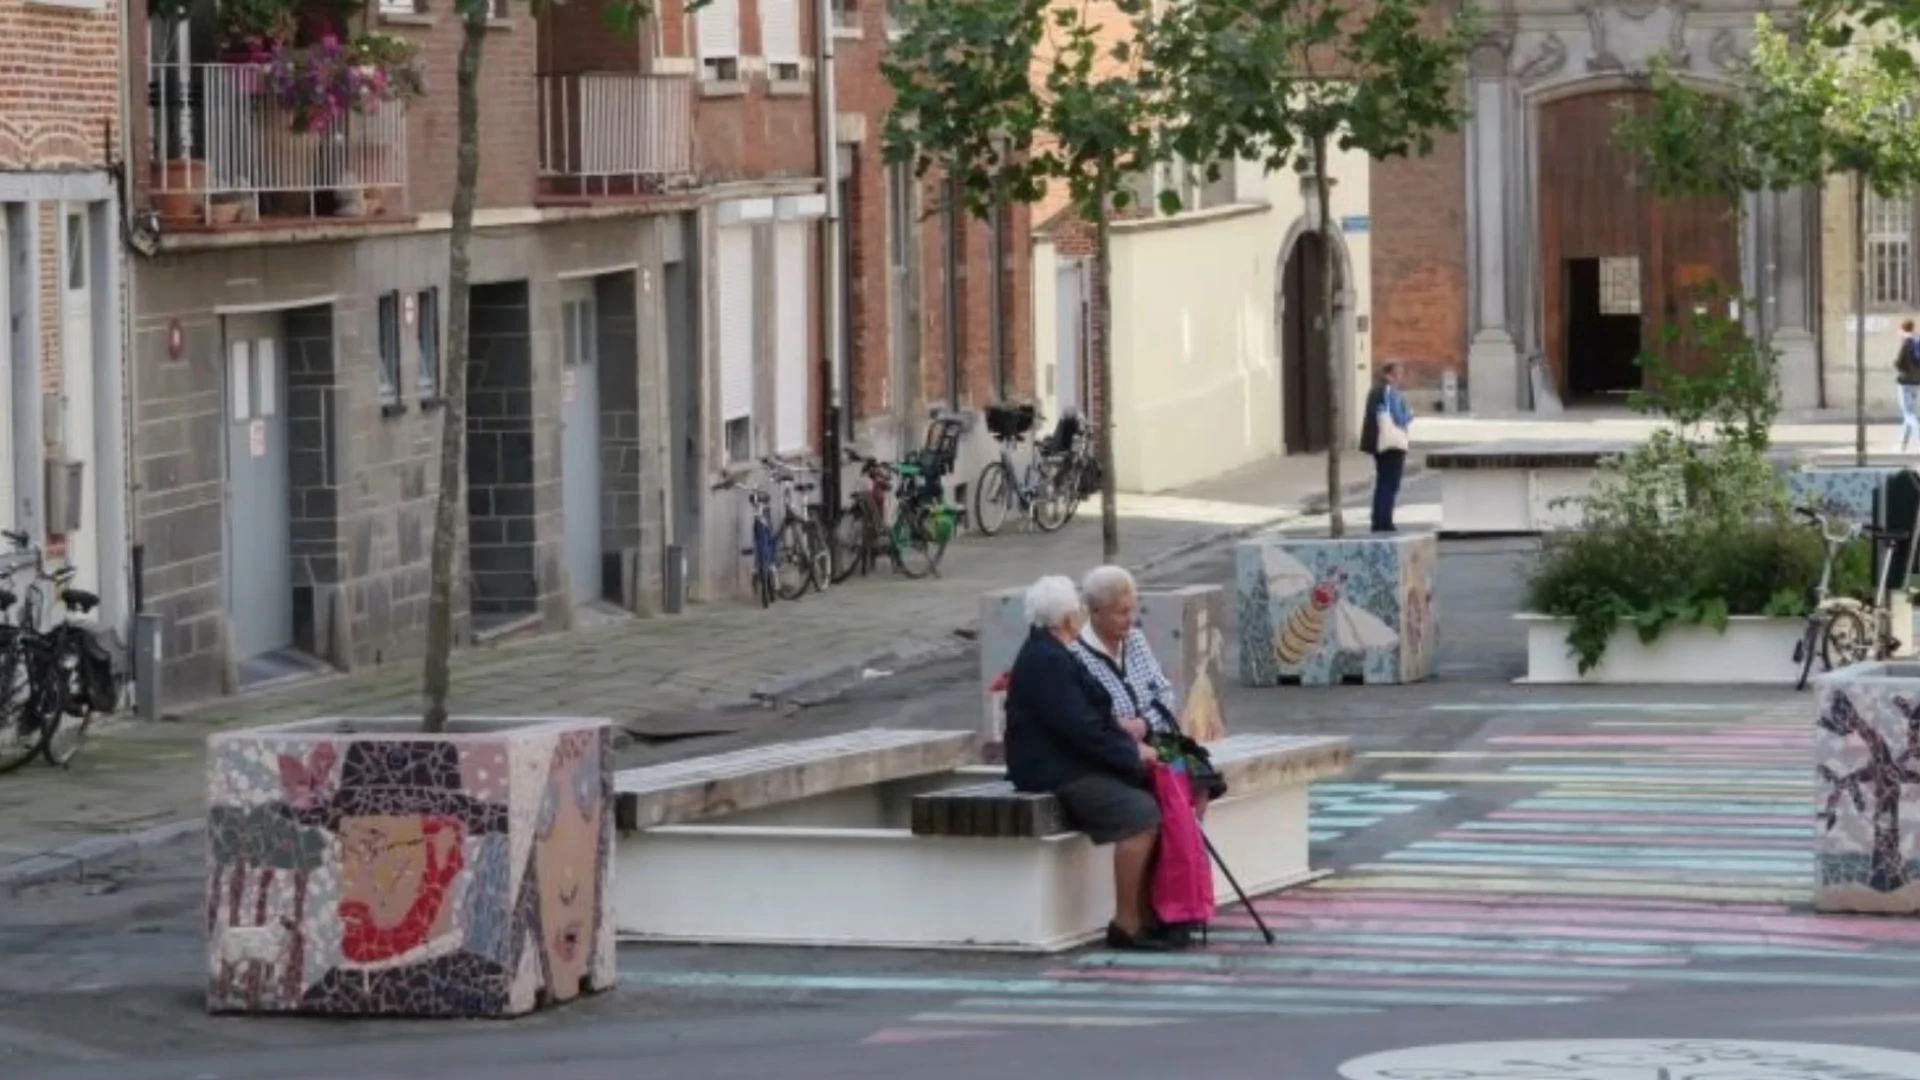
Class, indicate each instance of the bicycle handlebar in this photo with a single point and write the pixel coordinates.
(1846, 529)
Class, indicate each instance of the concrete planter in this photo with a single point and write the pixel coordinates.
(358, 867)
(1317, 611)
(1869, 716)
(1753, 650)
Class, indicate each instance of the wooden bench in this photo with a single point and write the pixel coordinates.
(721, 784)
(1251, 764)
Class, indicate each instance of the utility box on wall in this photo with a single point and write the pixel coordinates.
(66, 494)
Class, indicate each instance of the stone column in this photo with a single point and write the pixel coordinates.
(1793, 300)
(1493, 367)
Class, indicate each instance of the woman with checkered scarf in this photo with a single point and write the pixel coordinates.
(1115, 651)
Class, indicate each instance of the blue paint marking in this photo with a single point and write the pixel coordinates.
(1247, 962)
(697, 980)
(1793, 808)
(1609, 828)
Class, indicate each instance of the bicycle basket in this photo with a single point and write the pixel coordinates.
(1010, 421)
(1090, 476)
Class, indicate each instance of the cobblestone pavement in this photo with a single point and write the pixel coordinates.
(702, 670)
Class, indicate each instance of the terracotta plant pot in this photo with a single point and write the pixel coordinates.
(177, 188)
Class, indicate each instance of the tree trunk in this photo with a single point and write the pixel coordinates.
(453, 421)
(1103, 372)
(1859, 319)
(1336, 412)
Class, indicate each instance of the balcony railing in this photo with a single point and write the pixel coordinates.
(614, 134)
(225, 152)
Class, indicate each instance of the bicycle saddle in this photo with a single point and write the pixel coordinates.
(79, 600)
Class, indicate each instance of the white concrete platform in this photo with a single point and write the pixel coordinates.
(845, 869)
(1510, 501)
(1753, 650)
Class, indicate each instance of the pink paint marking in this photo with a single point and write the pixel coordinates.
(1653, 840)
(896, 1036)
(1724, 742)
(1504, 927)
(1395, 952)
(1476, 900)
(1650, 819)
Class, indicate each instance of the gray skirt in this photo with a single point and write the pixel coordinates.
(1108, 809)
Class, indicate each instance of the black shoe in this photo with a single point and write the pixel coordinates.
(1181, 936)
(1144, 941)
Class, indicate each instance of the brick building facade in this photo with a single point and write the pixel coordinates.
(643, 300)
(61, 477)
(913, 343)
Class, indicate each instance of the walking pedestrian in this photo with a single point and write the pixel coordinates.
(1906, 367)
(1383, 434)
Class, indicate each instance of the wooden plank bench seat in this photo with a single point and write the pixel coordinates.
(705, 787)
(1250, 764)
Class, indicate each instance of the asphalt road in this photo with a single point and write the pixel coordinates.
(1511, 864)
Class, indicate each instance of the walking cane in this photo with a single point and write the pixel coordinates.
(1237, 890)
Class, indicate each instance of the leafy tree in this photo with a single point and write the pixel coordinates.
(622, 15)
(1799, 113)
(1283, 82)
(1007, 98)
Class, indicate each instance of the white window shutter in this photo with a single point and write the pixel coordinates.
(736, 323)
(790, 346)
(780, 31)
(718, 29)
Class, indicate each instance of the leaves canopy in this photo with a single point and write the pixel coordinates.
(1796, 114)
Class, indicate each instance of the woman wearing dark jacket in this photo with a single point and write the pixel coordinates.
(1062, 738)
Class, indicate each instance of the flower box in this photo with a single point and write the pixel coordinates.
(1754, 649)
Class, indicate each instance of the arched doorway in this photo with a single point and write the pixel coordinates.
(1306, 385)
(1619, 266)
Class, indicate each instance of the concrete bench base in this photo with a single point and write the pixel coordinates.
(804, 874)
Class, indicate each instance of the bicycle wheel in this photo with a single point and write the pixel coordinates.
(852, 540)
(1067, 489)
(1808, 650)
(915, 553)
(1846, 639)
(1050, 507)
(65, 732)
(792, 560)
(993, 497)
(23, 735)
(820, 550)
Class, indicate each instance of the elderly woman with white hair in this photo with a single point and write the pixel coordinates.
(1062, 738)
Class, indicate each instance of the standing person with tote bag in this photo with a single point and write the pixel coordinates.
(1383, 434)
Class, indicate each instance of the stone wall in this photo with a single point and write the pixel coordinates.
(500, 446)
(314, 492)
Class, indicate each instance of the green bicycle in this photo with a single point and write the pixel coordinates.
(913, 540)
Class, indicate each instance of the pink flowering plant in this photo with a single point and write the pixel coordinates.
(319, 83)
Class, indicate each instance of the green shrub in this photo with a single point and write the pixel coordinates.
(1679, 532)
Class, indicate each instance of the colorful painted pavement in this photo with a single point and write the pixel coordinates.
(1625, 852)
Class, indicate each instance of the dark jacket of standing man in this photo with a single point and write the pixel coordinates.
(1388, 465)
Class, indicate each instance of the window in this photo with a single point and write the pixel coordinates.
(738, 333)
(1889, 251)
(739, 436)
(76, 252)
(389, 318)
(846, 14)
(896, 14)
(1620, 285)
(996, 299)
(399, 7)
(428, 330)
(717, 35)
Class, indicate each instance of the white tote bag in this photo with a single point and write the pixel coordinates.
(1392, 436)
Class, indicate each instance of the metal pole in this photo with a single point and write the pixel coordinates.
(831, 393)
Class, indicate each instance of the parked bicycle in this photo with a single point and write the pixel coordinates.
(1004, 487)
(1842, 630)
(1069, 454)
(800, 545)
(916, 536)
(53, 681)
(761, 547)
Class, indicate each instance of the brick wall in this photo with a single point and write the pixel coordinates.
(1420, 262)
(59, 81)
(862, 91)
(509, 110)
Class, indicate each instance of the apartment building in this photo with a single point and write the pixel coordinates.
(937, 309)
(61, 477)
(640, 296)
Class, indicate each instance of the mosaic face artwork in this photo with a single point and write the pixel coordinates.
(1183, 631)
(1635, 1059)
(1332, 611)
(1868, 752)
(362, 875)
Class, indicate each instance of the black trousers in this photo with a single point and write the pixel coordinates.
(1388, 465)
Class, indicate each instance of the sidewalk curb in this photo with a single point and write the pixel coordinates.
(77, 857)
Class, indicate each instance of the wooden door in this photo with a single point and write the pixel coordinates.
(1695, 256)
(1306, 384)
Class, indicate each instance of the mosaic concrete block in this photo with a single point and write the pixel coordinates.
(1003, 629)
(361, 868)
(1845, 489)
(1186, 629)
(1869, 789)
(1317, 611)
